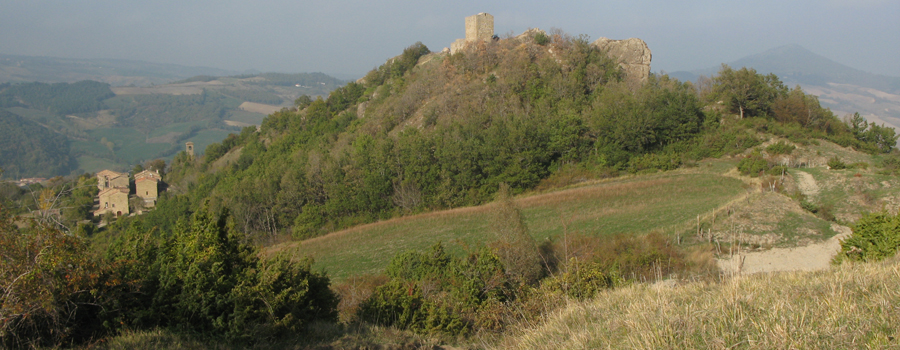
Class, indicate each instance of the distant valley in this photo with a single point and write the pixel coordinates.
(843, 89)
(110, 125)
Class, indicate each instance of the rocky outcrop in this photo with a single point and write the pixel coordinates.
(530, 33)
(633, 56)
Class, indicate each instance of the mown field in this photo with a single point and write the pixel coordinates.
(665, 202)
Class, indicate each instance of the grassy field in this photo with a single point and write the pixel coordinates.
(852, 306)
(667, 202)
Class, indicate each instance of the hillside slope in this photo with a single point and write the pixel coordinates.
(851, 306)
(28, 149)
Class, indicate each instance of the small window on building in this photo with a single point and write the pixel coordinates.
(146, 193)
(114, 205)
(106, 204)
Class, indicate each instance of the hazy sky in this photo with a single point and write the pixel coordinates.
(352, 37)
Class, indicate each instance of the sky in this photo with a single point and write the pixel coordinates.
(348, 38)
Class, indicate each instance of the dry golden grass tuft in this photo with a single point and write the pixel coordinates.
(850, 306)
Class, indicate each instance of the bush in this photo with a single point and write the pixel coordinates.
(753, 165)
(430, 292)
(876, 236)
(777, 170)
(52, 291)
(780, 148)
(202, 279)
(582, 280)
(654, 162)
(836, 163)
(541, 39)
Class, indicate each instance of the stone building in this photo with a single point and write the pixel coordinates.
(189, 149)
(146, 184)
(113, 200)
(110, 179)
(479, 27)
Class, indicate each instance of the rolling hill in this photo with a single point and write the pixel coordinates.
(25, 69)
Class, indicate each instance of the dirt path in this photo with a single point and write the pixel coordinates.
(813, 257)
(807, 184)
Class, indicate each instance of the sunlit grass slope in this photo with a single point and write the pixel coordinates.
(853, 306)
(668, 202)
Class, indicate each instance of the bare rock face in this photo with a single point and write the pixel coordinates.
(530, 33)
(633, 56)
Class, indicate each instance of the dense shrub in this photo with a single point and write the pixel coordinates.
(780, 147)
(835, 163)
(753, 164)
(431, 292)
(203, 280)
(52, 290)
(654, 162)
(875, 236)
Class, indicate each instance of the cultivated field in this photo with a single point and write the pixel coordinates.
(666, 202)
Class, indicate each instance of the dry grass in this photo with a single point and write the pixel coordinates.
(850, 306)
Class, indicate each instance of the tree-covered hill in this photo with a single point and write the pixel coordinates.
(431, 131)
(29, 149)
(59, 98)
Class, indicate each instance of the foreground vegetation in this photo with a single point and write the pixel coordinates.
(850, 306)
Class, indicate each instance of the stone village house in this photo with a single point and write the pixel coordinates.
(115, 191)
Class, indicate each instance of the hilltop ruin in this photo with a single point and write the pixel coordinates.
(633, 54)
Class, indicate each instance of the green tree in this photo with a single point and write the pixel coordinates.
(746, 92)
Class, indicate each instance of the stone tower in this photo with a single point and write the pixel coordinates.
(189, 149)
(478, 27)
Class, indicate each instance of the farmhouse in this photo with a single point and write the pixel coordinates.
(113, 200)
(146, 184)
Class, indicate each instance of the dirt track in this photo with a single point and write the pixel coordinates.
(807, 184)
(813, 257)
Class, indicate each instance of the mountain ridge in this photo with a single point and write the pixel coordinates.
(116, 72)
